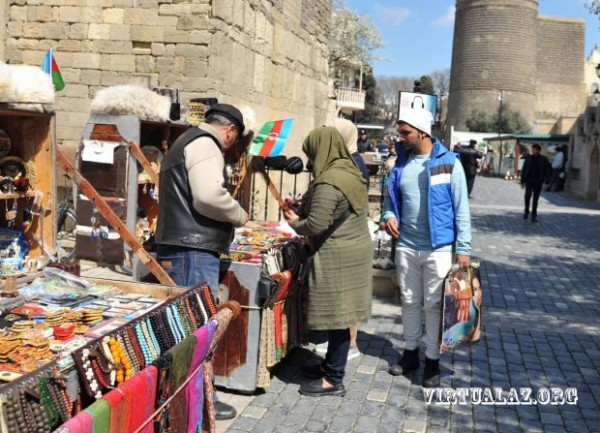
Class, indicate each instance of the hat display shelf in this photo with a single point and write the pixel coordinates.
(27, 186)
(125, 177)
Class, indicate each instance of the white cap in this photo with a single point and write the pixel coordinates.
(419, 118)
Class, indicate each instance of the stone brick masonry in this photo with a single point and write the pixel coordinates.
(268, 54)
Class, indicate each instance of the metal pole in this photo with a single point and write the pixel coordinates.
(501, 147)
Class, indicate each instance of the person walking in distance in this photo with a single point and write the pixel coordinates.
(469, 157)
(558, 169)
(426, 207)
(196, 213)
(536, 172)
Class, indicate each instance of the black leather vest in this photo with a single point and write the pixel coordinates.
(179, 224)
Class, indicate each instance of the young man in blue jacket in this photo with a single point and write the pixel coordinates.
(426, 207)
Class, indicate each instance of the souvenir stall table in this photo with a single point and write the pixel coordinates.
(257, 274)
(82, 351)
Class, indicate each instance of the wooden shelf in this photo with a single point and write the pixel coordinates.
(7, 196)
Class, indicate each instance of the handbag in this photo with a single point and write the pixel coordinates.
(307, 253)
(461, 307)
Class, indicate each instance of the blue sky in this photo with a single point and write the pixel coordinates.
(418, 33)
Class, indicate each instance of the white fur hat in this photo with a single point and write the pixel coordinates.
(418, 118)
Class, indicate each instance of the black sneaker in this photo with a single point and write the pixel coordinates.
(431, 376)
(534, 219)
(409, 361)
(526, 215)
(223, 411)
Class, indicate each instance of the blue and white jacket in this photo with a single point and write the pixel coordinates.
(448, 208)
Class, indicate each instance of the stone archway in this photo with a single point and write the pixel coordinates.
(594, 175)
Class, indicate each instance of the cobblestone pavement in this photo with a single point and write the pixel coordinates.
(541, 329)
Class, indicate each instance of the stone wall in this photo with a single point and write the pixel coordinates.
(494, 49)
(268, 54)
(537, 62)
(560, 69)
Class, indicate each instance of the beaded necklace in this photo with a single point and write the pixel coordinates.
(177, 320)
(153, 338)
(89, 373)
(137, 350)
(141, 339)
(53, 410)
(126, 357)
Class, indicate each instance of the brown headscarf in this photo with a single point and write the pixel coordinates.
(332, 164)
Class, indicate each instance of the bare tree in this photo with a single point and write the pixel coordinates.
(441, 82)
(387, 90)
(441, 85)
(593, 6)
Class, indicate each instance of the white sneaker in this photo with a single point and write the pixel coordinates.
(353, 352)
(321, 348)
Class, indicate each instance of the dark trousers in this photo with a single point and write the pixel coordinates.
(535, 190)
(337, 355)
(470, 183)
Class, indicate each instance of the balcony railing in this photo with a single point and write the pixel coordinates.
(349, 100)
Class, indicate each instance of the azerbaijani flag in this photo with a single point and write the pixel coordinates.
(49, 66)
(271, 138)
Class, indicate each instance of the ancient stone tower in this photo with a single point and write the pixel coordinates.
(536, 62)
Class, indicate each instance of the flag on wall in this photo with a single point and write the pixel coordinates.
(271, 138)
(49, 66)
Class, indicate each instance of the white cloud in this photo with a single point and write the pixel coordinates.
(392, 15)
(447, 19)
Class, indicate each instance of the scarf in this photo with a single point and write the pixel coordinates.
(333, 165)
(100, 412)
(182, 355)
(117, 401)
(349, 133)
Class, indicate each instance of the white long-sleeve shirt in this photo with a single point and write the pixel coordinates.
(204, 163)
(558, 161)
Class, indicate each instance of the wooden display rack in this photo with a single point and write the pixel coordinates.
(31, 136)
(119, 186)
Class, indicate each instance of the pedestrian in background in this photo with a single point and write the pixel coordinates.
(469, 157)
(536, 172)
(426, 207)
(364, 144)
(558, 169)
(340, 279)
(349, 133)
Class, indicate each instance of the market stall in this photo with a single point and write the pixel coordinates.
(258, 275)
(76, 352)
(82, 350)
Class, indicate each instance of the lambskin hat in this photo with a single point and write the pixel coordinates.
(230, 113)
(417, 118)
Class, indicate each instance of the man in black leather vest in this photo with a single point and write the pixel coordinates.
(196, 213)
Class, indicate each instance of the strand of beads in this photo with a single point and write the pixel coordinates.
(141, 339)
(15, 416)
(177, 321)
(149, 342)
(53, 410)
(153, 339)
(89, 373)
(137, 349)
(173, 326)
(190, 313)
(135, 365)
(111, 361)
(127, 357)
(185, 322)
